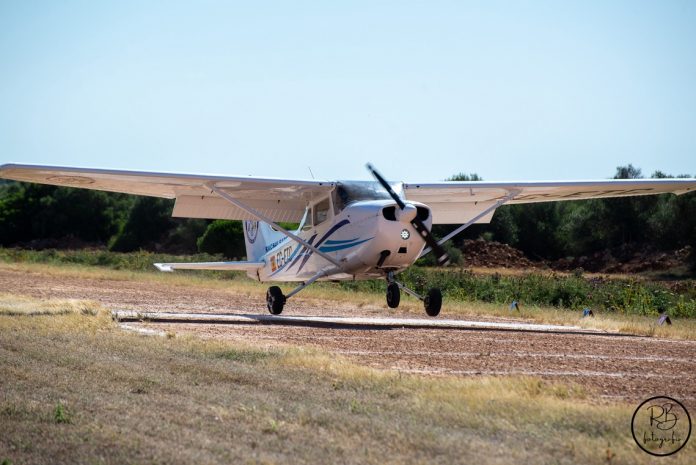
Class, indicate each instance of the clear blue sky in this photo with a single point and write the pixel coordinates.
(509, 90)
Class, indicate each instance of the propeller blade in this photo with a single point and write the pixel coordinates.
(386, 186)
(418, 225)
(441, 255)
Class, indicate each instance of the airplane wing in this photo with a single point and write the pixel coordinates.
(278, 199)
(219, 266)
(457, 202)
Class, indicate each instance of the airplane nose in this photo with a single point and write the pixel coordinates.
(408, 214)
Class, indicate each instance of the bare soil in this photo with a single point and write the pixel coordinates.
(610, 367)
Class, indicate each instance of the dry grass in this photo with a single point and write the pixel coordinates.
(17, 305)
(76, 389)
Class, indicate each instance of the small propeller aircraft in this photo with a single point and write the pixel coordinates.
(348, 230)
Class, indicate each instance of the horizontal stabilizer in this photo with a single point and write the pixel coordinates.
(220, 266)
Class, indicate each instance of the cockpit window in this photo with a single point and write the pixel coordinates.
(353, 191)
(321, 211)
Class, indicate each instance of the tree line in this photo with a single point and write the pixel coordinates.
(555, 230)
(40, 216)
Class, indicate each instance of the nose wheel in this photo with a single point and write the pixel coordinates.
(393, 295)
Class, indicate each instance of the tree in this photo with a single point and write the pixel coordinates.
(536, 225)
(628, 172)
(225, 237)
(147, 222)
(32, 211)
(465, 177)
(183, 237)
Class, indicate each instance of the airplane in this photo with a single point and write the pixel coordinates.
(347, 230)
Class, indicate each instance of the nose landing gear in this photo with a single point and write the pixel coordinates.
(393, 295)
(432, 301)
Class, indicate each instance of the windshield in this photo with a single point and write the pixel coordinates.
(348, 192)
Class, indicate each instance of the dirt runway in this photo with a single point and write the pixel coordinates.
(610, 367)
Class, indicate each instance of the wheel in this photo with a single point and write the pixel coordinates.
(275, 300)
(393, 295)
(433, 302)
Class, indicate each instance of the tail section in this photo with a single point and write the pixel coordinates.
(259, 238)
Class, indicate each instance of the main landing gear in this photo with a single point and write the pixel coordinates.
(275, 300)
(432, 301)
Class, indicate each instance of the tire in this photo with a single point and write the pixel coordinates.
(393, 295)
(433, 302)
(275, 300)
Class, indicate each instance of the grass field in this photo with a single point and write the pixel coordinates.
(616, 295)
(74, 388)
(684, 328)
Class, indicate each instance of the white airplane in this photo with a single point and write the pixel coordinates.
(347, 229)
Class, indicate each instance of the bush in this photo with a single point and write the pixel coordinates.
(223, 237)
(147, 222)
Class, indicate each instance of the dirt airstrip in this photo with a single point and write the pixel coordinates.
(609, 366)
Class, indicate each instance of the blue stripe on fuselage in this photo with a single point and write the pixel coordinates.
(333, 229)
(342, 246)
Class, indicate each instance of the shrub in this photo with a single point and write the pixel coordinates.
(223, 237)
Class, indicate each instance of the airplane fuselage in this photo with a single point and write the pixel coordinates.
(359, 237)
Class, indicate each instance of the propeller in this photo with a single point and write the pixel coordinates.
(417, 223)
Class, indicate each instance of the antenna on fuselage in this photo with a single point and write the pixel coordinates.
(310, 172)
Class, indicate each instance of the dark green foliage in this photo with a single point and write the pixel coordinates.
(223, 237)
(536, 228)
(455, 256)
(147, 222)
(40, 216)
(561, 229)
(183, 237)
(692, 256)
(504, 227)
(33, 211)
(631, 172)
(465, 177)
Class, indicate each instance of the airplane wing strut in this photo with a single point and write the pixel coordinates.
(259, 216)
(485, 212)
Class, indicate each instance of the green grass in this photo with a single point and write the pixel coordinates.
(137, 399)
(630, 296)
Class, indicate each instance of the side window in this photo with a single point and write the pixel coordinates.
(321, 211)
